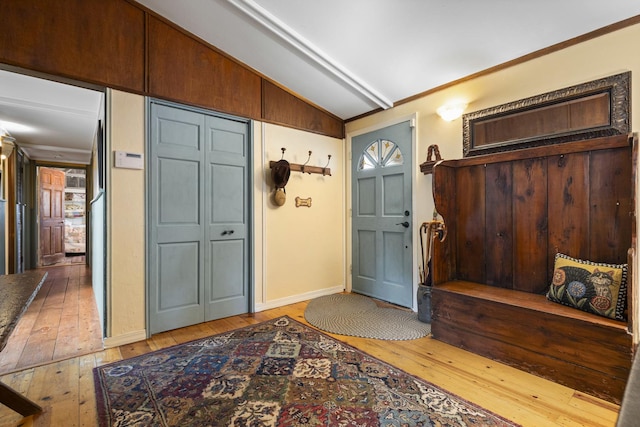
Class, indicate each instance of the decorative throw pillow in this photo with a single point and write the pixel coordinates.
(593, 287)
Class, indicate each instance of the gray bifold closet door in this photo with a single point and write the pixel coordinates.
(198, 217)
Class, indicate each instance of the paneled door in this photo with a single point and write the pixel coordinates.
(227, 254)
(198, 210)
(381, 214)
(51, 206)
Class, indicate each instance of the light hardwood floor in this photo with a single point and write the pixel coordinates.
(66, 392)
(61, 322)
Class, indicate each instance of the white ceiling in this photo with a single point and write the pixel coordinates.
(50, 121)
(347, 56)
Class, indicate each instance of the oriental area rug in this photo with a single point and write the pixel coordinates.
(276, 373)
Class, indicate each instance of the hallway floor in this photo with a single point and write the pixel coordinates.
(61, 322)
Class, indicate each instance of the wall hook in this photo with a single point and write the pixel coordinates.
(306, 167)
(324, 169)
(305, 163)
(283, 150)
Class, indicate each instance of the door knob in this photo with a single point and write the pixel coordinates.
(404, 224)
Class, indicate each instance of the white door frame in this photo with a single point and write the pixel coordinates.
(413, 119)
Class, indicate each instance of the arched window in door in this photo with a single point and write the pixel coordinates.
(380, 153)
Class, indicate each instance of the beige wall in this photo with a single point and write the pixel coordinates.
(125, 222)
(303, 247)
(298, 252)
(601, 57)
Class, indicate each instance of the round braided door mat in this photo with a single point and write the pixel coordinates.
(360, 316)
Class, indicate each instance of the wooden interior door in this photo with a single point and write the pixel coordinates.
(51, 203)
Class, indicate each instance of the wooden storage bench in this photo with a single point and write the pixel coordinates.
(507, 215)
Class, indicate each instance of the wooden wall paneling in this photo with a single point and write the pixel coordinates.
(611, 205)
(281, 107)
(444, 191)
(568, 205)
(95, 41)
(122, 45)
(530, 262)
(499, 224)
(183, 69)
(470, 234)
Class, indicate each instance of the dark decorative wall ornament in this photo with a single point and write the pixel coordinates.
(589, 110)
(433, 157)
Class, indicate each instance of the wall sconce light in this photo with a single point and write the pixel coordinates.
(451, 112)
(6, 146)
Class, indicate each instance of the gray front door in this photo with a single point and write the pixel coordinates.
(198, 210)
(381, 219)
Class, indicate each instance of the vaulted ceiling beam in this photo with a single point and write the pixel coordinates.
(304, 47)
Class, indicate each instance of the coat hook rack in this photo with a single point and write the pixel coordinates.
(305, 163)
(306, 168)
(324, 169)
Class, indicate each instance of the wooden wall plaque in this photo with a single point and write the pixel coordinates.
(591, 110)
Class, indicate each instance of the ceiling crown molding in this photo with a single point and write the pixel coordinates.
(304, 47)
(58, 149)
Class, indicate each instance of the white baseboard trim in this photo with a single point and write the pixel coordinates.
(135, 336)
(124, 339)
(298, 298)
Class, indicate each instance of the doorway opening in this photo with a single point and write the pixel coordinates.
(62, 130)
(62, 206)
